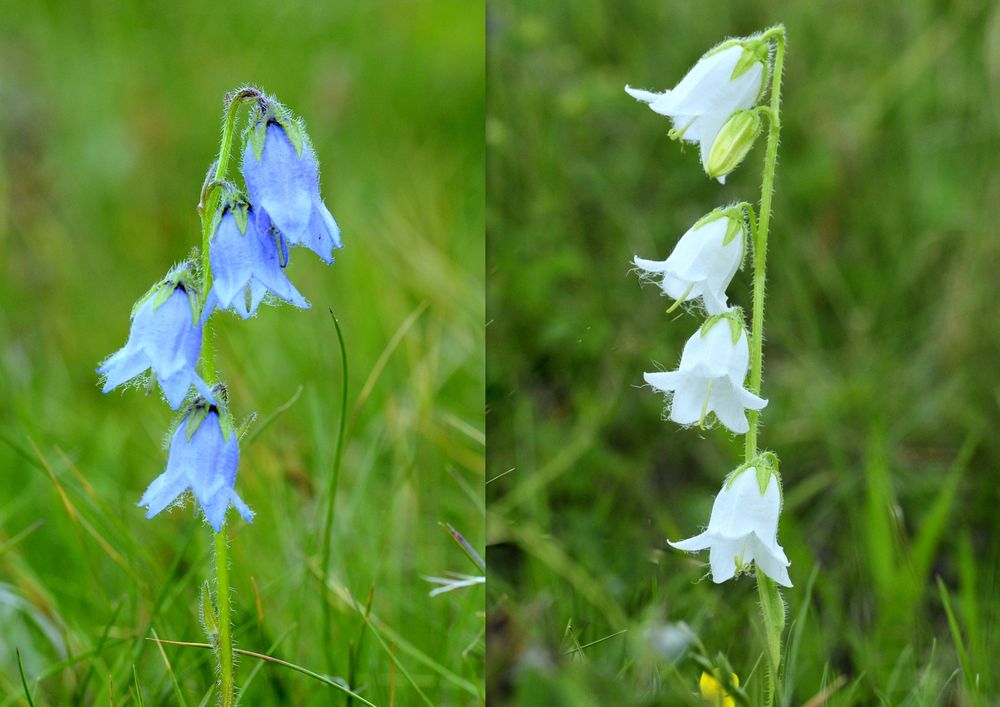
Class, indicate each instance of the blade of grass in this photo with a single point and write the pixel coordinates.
(331, 492)
(258, 429)
(266, 658)
(24, 680)
(470, 552)
(170, 670)
(956, 636)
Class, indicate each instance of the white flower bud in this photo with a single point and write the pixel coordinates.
(732, 144)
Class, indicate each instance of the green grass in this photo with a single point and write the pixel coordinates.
(880, 357)
(110, 118)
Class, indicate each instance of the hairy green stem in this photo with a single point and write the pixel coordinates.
(207, 209)
(771, 606)
(224, 654)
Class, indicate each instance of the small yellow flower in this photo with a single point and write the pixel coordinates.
(713, 691)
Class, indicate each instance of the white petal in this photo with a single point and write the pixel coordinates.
(675, 288)
(727, 407)
(722, 558)
(741, 509)
(689, 401)
(683, 260)
(698, 542)
(665, 381)
(739, 360)
(771, 560)
(641, 95)
(654, 266)
(714, 299)
(704, 86)
(749, 400)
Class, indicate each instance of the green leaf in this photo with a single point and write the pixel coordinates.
(209, 620)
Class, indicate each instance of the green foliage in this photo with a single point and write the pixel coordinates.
(109, 119)
(880, 356)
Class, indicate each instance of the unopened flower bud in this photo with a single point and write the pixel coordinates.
(732, 144)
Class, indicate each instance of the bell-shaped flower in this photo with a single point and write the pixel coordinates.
(703, 262)
(203, 459)
(743, 528)
(710, 377)
(282, 179)
(246, 267)
(165, 338)
(727, 79)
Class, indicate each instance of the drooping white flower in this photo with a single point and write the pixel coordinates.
(725, 80)
(743, 528)
(710, 377)
(703, 262)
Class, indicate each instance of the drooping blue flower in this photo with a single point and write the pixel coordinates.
(203, 462)
(166, 338)
(245, 267)
(284, 191)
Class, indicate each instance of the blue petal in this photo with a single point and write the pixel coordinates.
(242, 508)
(281, 182)
(231, 254)
(162, 492)
(168, 335)
(122, 366)
(323, 234)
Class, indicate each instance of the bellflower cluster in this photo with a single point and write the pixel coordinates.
(245, 252)
(716, 106)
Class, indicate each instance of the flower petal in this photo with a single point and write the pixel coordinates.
(689, 400)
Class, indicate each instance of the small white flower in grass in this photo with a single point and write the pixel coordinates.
(727, 79)
(743, 527)
(710, 377)
(703, 262)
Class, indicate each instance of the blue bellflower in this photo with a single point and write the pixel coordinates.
(164, 338)
(206, 464)
(245, 267)
(284, 190)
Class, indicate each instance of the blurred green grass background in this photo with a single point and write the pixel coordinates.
(880, 356)
(109, 118)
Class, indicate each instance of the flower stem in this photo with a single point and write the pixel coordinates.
(225, 650)
(224, 653)
(771, 605)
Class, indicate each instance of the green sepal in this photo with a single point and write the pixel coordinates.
(163, 294)
(735, 318)
(245, 425)
(195, 418)
(755, 51)
(713, 215)
(257, 135)
(226, 424)
(293, 129)
(179, 276)
(765, 464)
(209, 620)
(736, 225)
